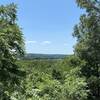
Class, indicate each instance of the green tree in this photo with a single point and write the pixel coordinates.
(87, 33)
(75, 86)
(11, 46)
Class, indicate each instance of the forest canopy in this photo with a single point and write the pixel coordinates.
(75, 77)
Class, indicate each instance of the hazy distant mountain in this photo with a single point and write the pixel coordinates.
(31, 56)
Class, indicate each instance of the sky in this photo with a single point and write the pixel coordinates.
(47, 25)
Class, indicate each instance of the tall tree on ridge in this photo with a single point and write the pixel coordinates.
(87, 33)
(11, 46)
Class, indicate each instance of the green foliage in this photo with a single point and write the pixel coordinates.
(75, 86)
(11, 45)
(39, 81)
(31, 56)
(52, 80)
(87, 33)
(89, 5)
(76, 77)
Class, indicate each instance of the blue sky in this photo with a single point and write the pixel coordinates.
(47, 25)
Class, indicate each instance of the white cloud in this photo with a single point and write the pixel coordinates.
(31, 42)
(46, 42)
(38, 43)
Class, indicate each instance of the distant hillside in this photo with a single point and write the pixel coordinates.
(31, 56)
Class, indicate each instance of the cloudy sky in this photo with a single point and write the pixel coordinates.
(47, 25)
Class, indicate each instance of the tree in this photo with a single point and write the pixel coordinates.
(75, 87)
(87, 33)
(11, 46)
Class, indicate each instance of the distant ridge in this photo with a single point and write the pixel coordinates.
(30, 56)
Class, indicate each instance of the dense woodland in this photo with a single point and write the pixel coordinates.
(75, 77)
(30, 56)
